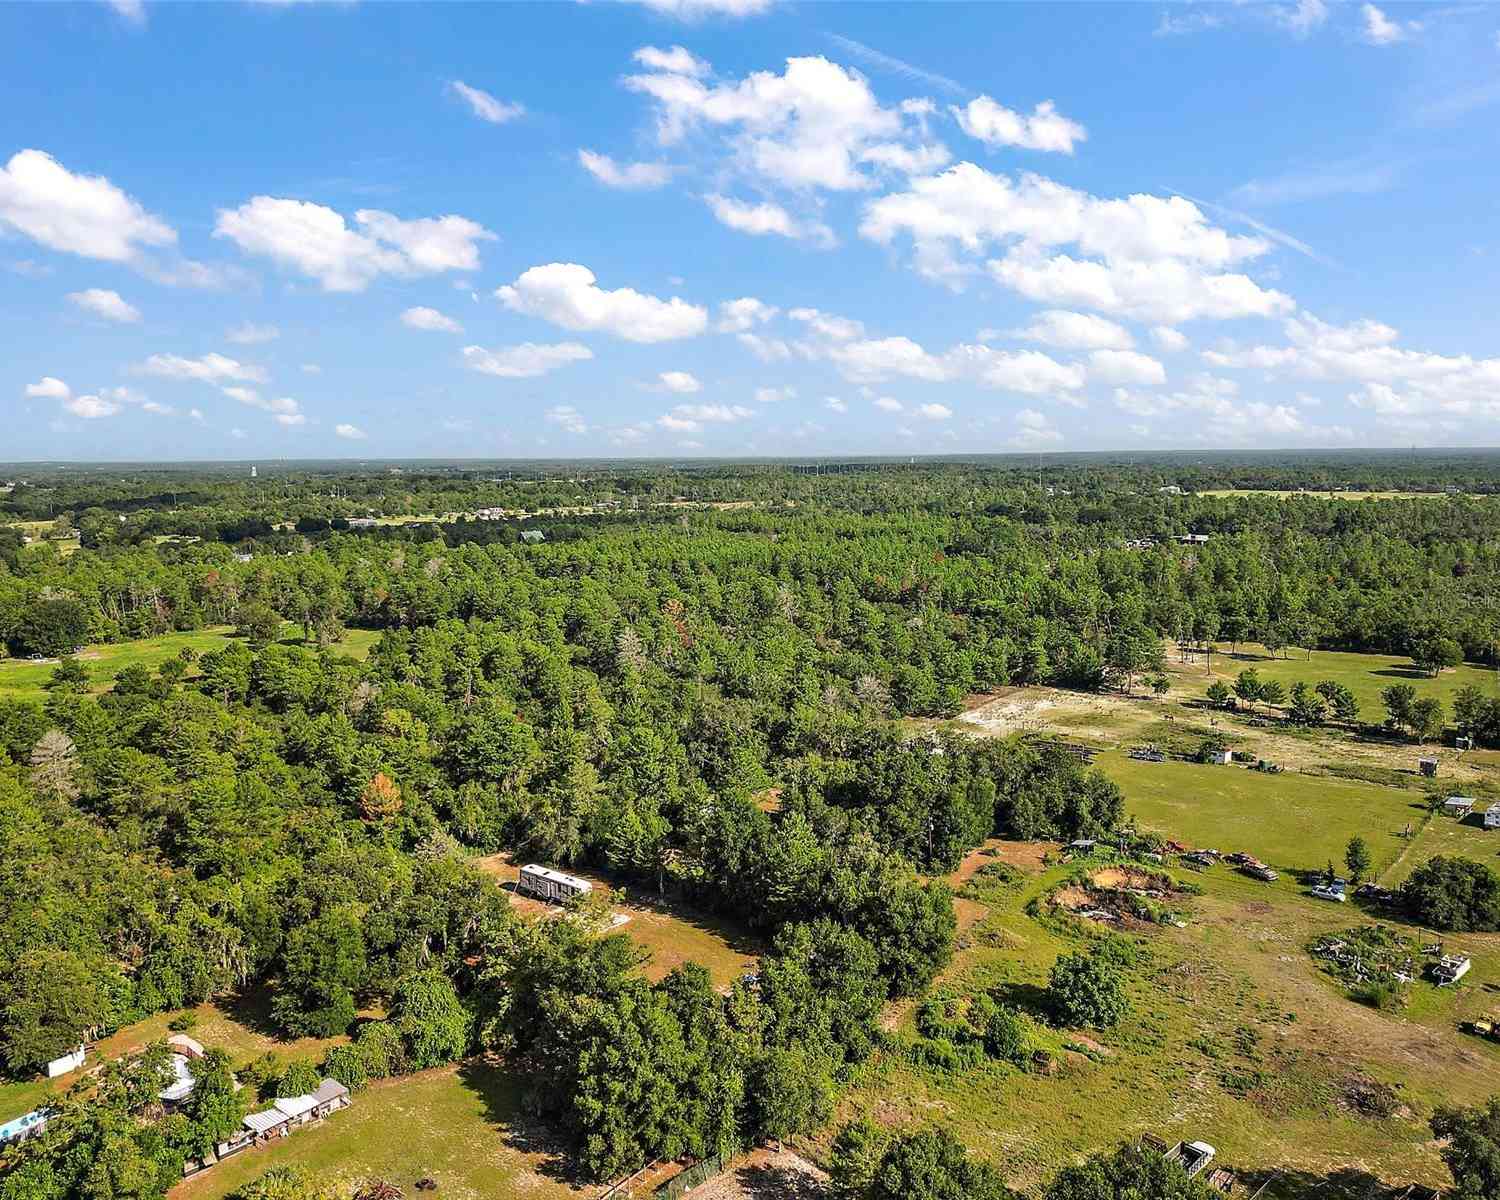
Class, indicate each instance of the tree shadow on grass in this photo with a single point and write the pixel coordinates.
(1029, 997)
(252, 1009)
(1345, 1183)
(501, 1090)
(1399, 672)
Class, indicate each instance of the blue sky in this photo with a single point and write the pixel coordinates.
(717, 227)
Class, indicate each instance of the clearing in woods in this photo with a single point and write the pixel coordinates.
(22, 678)
(240, 1025)
(673, 932)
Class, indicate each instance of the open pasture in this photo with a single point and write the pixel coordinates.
(1290, 820)
(1234, 1036)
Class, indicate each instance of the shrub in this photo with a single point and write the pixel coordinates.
(347, 1065)
(379, 1045)
(1386, 996)
(183, 1021)
(1005, 1036)
(298, 1079)
(1087, 989)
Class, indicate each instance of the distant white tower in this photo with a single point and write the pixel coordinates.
(253, 472)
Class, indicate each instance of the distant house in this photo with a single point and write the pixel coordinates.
(1221, 757)
(1492, 817)
(1450, 969)
(25, 1126)
(1458, 806)
(363, 522)
(70, 1061)
(1192, 539)
(547, 884)
(1428, 766)
(532, 536)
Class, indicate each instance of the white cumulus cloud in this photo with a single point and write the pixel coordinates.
(86, 215)
(993, 124)
(691, 418)
(1149, 257)
(697, 10)
(209, 368)
(627, 177)
(315, 241)
(526, 361)
(431, 320)
(1380, 30)
(1126, 366)
(736, 316)
(352, 432)
(678, 60)
(48, 388)
(107, 304)
(684, 383)
(567, 294)
(1076, 331)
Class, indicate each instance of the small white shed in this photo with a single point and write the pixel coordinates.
(70, 1061)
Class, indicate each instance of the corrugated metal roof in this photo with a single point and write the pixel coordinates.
(264, 1122)
(295, 1106)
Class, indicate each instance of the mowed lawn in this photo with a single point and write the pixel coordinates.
(460, 1126)
(23, 679)
(1289, 820)
(1363, 674)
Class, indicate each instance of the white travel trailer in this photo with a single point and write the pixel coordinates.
(547, 884)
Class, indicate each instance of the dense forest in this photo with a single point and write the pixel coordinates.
(624, 694)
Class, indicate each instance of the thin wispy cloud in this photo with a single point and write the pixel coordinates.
(896, 66)
(1193, 20)
(1362, 176)
(1279, 236)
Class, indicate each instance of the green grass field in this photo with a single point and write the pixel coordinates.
(22, 678)
(1289, 820)
(1447, 837)
(462, 1126)
(1234, 1036)
(1364, 674)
